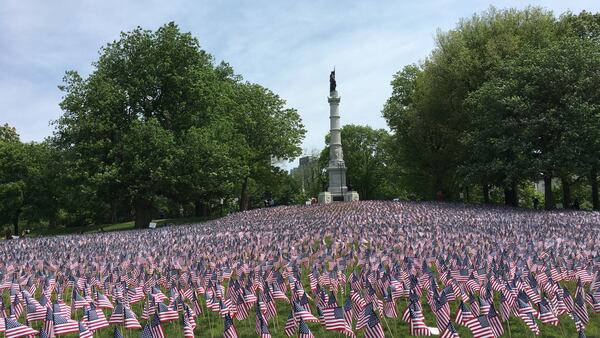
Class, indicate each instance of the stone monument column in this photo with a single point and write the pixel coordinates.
(336, 169)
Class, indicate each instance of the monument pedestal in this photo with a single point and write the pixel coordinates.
(336, 170)
(351, 196)
(325, 197)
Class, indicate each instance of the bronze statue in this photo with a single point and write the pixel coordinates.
(332, 83)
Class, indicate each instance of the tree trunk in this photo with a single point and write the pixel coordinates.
(594, 184)
(467, 194)
(566, 189)
(507, 196)
(486, 193)
(143, 215)
(548, 196)
(16, 222)
(113, 212)
(244, 195)
(515, 194)
(201, 209)
(197, 208)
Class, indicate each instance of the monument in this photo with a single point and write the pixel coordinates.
(336, 170)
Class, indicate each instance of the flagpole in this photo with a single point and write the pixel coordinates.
(561, 327)
(210, 323)
(388, 326)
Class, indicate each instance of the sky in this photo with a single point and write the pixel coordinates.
(287, 46)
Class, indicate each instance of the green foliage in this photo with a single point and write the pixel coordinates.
(25, 191)
(506, 97)
(8, 133)
(371, 169)
(158, 121)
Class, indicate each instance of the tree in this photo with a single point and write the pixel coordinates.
(368, 164)
(427, 111)
(586, 27)
(269, 131)
(158, 119)
(24, 182)
(8, 133)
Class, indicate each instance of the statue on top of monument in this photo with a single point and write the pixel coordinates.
(332, 83)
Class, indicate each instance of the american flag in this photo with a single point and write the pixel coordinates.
(450, 332)
(153, 328)
(84, 332)
(304, 330)
(545, 314)
(389, 305)
(165, 314)
(579, 325)
(16, 308)
(262, 329)
(417, 323)
(102, 301)
(373, 328)
(270, 304)
(335, 321)
(77, 301)
(277, 293)
(463, 314)
(495, 322)
(49, 323)
(188, 330)
(229, 330)
(290, 325)
(57, 308)
(64, 325)
(526, 314)
(593, 301)
(15, 329)
(480, 327)
(441, 310)
(579, 307)
(117, 333)
(35, 312)
(95, 319)
(118, 315)
(301, 313)
(131, 321)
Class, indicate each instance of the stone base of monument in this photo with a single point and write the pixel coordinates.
(325, 197)
(351, 196)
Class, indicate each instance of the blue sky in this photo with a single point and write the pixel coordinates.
(287, 46)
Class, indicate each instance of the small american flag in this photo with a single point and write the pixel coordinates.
(304, 330)
(229, 330)
(15, 329)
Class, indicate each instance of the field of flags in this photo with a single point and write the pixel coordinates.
(359, 269)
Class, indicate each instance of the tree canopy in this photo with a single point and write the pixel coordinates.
(505, 98)
(158, 119)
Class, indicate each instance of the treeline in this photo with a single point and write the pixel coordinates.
(157, 128)
(506, 99)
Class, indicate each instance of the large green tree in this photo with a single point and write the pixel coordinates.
(370, 169)
(450, 126)
(26, 183)
(269, 132)
(157, 118)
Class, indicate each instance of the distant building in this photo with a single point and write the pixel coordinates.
(307, 174)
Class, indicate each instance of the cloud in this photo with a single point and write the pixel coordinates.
(287, 46)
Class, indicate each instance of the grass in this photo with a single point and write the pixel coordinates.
(62, 230)
(210, 324)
